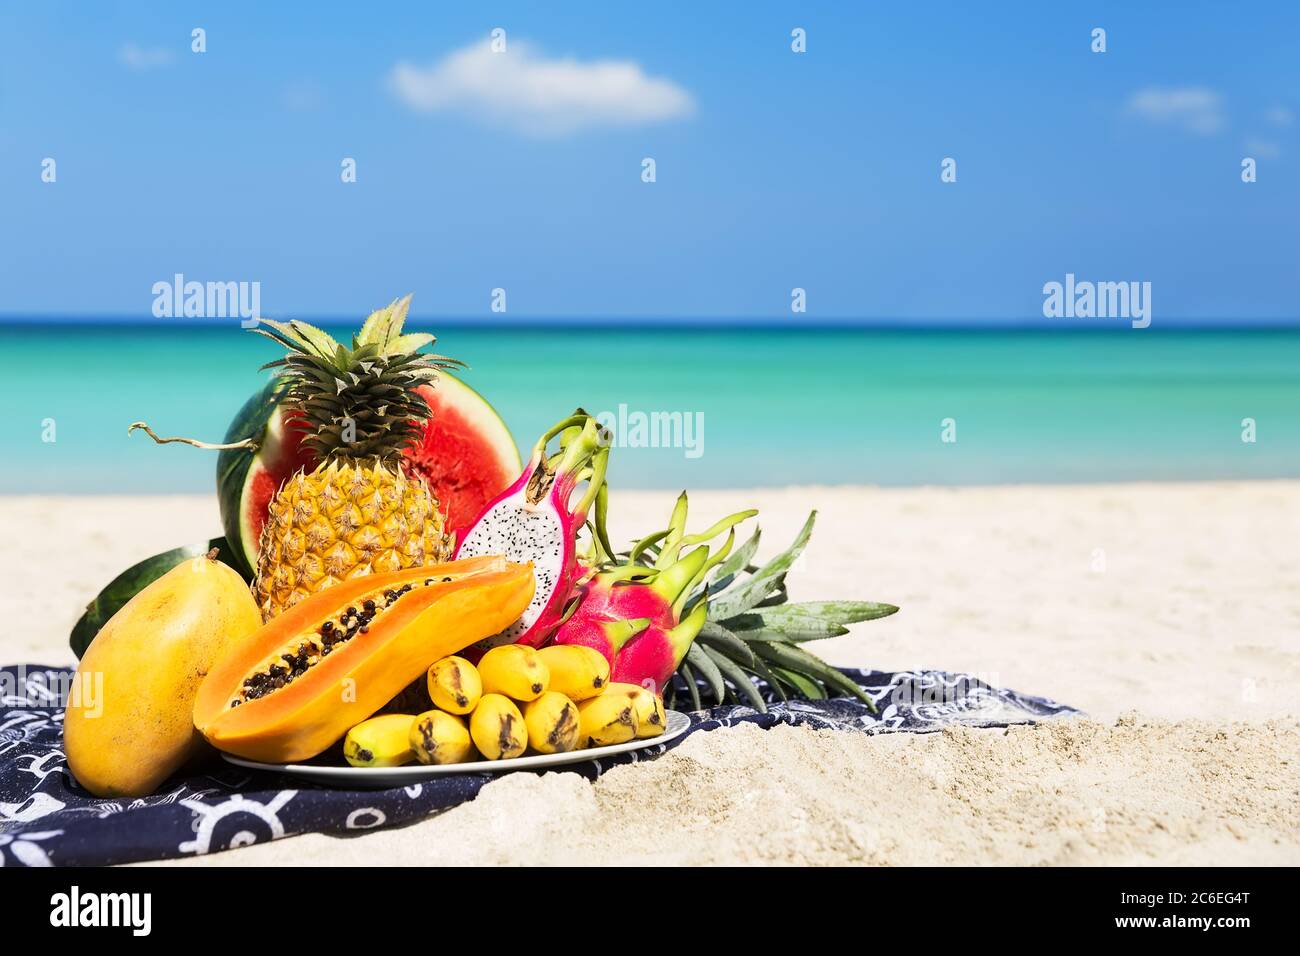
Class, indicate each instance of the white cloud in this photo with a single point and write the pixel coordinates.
(1262, 148)
(523, 90)
(1279, 116)
(135, 57)
(1193, 108)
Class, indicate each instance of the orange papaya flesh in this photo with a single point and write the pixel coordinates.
(289, 694)
(325, 625)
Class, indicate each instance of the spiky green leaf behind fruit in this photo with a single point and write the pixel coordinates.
(751, 635)
(360, 402)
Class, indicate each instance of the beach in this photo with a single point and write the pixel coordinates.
(1168, 612)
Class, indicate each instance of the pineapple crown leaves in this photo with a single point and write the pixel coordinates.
(359, 401)
(383, 328)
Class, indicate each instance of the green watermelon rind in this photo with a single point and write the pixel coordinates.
(132, 581)
(235, 469)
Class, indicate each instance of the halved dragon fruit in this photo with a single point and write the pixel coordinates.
(536, 519)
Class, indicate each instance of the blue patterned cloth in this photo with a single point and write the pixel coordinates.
(46, 819)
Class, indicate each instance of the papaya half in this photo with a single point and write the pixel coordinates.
(303, 679)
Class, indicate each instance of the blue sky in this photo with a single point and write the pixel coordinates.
(774, 169)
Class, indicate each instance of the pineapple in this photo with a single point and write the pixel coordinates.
(359, 512)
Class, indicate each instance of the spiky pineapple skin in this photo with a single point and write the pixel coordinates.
(345, 519)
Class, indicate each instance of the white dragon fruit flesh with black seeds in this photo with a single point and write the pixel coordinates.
(535, 521)
(525, 534)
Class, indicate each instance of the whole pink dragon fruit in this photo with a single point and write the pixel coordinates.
(536, 520)
(635, 614)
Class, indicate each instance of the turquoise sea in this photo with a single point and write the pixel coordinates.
(778, 405)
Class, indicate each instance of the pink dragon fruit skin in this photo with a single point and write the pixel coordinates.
(534, 521)
(598, 633)
(641, 650)
(651, 657)
(607, 617)
(632, 613)
(612, 609)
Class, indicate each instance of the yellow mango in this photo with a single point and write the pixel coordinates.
(129, 723)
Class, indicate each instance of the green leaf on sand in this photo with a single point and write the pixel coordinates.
(704, 664)
(739, 679)
(739, 560)
(762, 671)
(753, 590)
(808, 620)
(794, 658)
(689, 676)
(805, 686)
(715, 635)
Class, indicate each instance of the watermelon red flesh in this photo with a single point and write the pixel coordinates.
(246, 482)
(467, 456)
(281, 456)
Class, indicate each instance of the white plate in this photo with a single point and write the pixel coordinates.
(362, 778)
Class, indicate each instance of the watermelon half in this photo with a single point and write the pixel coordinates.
(467, 456)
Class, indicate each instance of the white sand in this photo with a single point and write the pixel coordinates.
(1178, 602)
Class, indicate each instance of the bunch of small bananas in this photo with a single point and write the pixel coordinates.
(553, 700)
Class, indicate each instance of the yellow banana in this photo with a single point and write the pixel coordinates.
(514, 671)
(454, 685)
(651, 719)
(440, 738)
(380, 742)
(498, 728)
(577, 671)
(607, 719)
(552, 722)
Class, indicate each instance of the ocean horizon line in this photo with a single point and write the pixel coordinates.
(634, 323)
(956, 484)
